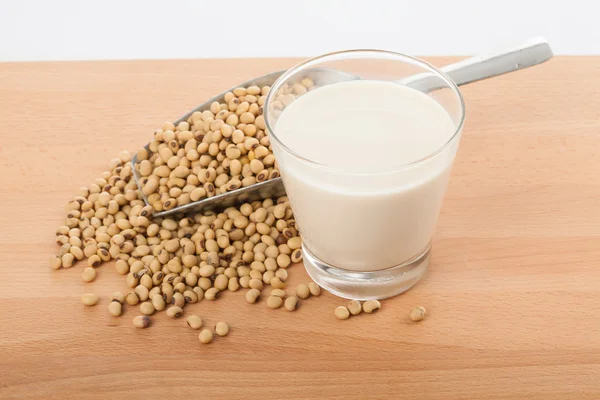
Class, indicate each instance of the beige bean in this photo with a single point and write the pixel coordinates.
(291, 303)
(205, 336)
(315, 289)
(418, 314)
(371, 306)
(90, 299)
(194, 322)
(252, 296)
(354, 307)
(302, 291)
(342, 312)
(115, 308)
(174, 312)
(88, 274)
(274, 301)
(141, 321)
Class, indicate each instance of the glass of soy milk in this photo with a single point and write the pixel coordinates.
(365, 141)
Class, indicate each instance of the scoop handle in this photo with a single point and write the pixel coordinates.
(533, 52)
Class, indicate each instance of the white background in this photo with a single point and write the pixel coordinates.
(150, 29)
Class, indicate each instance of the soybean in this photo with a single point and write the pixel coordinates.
(67, 260)
(291, 303)
(418, 314)
(118, 296)
(354, 307)
(342, 312)
(371, 306)
(88, 274)
(147, 308)
(222, 329)
(55, 262)
(132, 299)
(206, 336)
(115, 308)
(211, 294)
(194, 322)
(174, 312)
(252, 296)
(302, 291)
(274, 301)
(90, 299)
(158, 302)
(314, 289)
(141, 321)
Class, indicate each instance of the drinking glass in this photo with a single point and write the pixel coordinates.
(366, 232)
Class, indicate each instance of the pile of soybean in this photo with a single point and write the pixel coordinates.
(171, 262)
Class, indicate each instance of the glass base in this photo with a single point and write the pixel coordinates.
(358, 285)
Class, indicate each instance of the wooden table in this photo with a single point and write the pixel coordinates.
(513, 291)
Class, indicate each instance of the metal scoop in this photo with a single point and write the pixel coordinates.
(534, 51)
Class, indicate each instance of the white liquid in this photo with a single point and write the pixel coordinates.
(350, 219)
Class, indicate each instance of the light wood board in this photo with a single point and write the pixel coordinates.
(513, 291)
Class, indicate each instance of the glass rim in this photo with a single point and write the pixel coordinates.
(334, 55)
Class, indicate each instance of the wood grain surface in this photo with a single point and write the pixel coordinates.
(513, 292)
